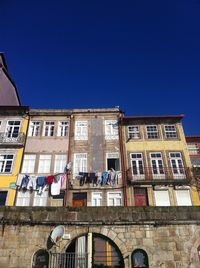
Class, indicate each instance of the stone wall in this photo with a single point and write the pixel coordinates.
(170, 236)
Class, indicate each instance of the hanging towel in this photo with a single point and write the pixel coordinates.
(55, 188)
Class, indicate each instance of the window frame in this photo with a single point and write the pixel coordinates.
(110, 132)
(164, 191)
(178, 198)
(82, 168)
(81, 130)
(171, 131)
(7, 160)
(115, 199)
(63, 129)
(137, 160)
(97, 199)
(13, 128)
(34, 130)
(134, 132)
(61, 170)
(45, 170)
(152, 132)
(28, 168)
(47, 129)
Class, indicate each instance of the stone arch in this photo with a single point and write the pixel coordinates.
(139, 258)
(99, 242)
(194, 257)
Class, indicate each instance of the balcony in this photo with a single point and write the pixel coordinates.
(159, 175)
(17, 139)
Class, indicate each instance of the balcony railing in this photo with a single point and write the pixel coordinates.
(6, 139)
(159, 173)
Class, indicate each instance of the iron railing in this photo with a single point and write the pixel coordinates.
(160, 173)
(5, 138)
(68, 260)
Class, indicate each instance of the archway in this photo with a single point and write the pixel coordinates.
(95, 251)
(40, 259)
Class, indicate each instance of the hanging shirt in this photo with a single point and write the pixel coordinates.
(55, 187)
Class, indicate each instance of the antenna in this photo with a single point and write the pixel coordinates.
(55, 236)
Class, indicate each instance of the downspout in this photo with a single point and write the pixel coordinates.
(124, 180)
(68, 157)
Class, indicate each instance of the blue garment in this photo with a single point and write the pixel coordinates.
(24, 183)
(41, 181)
(104, 177)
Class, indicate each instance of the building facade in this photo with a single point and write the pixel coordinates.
(157, 163)
(45, 158)
(13, 130)
(8, 90)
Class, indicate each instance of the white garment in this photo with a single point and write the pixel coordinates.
(32, 182)
(55, 187)
(19, 179)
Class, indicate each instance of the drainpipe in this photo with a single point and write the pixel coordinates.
(124, 179)
(68, 157)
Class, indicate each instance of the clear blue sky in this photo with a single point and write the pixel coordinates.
(141, 55)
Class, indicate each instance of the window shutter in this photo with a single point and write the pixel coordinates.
(183, 198)
(162, 198)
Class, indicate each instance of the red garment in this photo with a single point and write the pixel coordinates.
(50, 179)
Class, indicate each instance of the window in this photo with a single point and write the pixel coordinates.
(12, 130)
(177, 165)
(40, 200)
(183, 198)
(137, 166)
(3, 197)
(193, 148)
(81, 130)
(115, 199)
(28, 163)
(141, 197)
(113, 161)
(49, 129)
(6, 163)
(79, 199)
(60, 163)
(162, 198)
(170, 131)
(157, 165)
(34, 129)
(152, 132)
(80, 163)
(44, 164)
(41, 259)
(23, 198)
(63, 128)
(97, 199)
(139, 258)
(133, 132)
(111, 130)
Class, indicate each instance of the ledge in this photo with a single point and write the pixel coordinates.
(99, 215)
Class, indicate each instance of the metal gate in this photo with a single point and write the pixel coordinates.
(68, 260)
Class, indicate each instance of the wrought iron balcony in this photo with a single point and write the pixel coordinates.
(159, 173)
(6, 139)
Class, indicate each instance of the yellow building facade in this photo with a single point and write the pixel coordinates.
(13, 131)
(157, 162)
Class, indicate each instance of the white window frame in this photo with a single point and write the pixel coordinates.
(193, 148)
(157, 202)
(40, 200)
(112, 155)
(4, 162)
(63, 129)
(115, 197)
(34, 129)
(152, 132)
(49, 128)
(157, 166)
(60, 163)
(97, 199)
(177, 165)
(28, 163)
(134, 132)
(111, 130)
(44, 165)
(82, 158)
(139, 166)
(170, 133)
(12, 128)
(23, 198)
(81, 130)
(179, 198)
